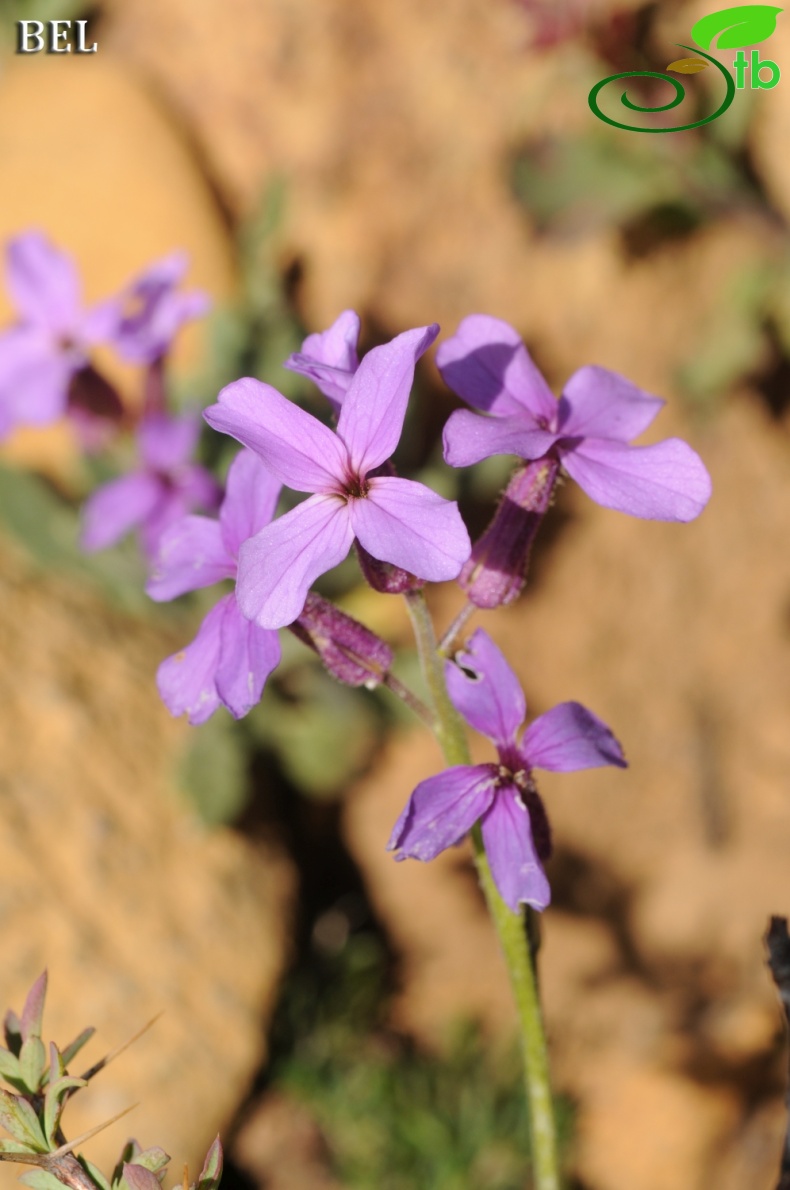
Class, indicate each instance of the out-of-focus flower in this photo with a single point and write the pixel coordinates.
(154, 310)
(330, 358)
(502, 796)
(54, 334)
(230, 659)
(163, 489)
(588, 431)
(396, 520)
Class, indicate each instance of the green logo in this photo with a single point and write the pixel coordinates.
(731, 28)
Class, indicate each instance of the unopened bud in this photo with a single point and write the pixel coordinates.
(383, 576)
(350, 651)
(497, 568)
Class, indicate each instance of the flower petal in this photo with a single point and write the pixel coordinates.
(155, 310)
(371, 419)
(34, 377)
(569, 737)
(663, 482)
(191, 554)
(43, 282)
(515, 866)
(404, 522)
(468, 438)
(167, 442)
(186, 681)
(330, 359)
(251, 496)
(277, 565)
(487, 364)
(117, 507)
(294, 445)
(248, 654)
(492, 701)
(442, 809)
(597, 403)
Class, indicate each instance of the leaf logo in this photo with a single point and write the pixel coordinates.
(688, 65)
(746, 24)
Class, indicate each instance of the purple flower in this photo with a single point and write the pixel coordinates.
(53, 336)
(155, 311)
(330, 358)
(160, 492)
(396, 520)
(230, 659)
(588, 430)
(483, 687)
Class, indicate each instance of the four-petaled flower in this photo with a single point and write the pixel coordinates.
(395, 520)
(330, 358)
(588, 430)
(54, 334)
(502, 796)
(230, 659)
(160, 492)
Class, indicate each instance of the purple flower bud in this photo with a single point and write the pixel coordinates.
(384, 576)
(497, 569)
(350, 651)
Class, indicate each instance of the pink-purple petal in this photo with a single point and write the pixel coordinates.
(486, 363)
(330, 358)
(597, 403)
(191, 554)
(371, 419)
(34, 377)
(251, 496)
(663, 482)
(167, 442)
(567, 738)
(517, 871)
(296, 447)
(470, 437)
(118, 506)
(442, 810)
(248, 654)
(186, 681)
(483, 687)
(405, 523)
(278, 564)
(43, 283)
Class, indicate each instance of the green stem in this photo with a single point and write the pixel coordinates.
(511, 927)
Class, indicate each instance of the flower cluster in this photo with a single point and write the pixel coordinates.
(404, 533)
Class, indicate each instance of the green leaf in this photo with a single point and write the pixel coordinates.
(153, 1159)
(19, 1119)
(211, 1173)
(76, 1045)
(746, 24)
(40, 1179)
(33, 1062)
(94, 1173)
(9, 1069)
(54, 1102)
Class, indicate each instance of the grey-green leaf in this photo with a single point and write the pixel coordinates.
(19, 1119)
(33, 1062)
(9, 1068)
(40, 1179)
(54, 1102)
(745, 24)
(211, 1173)
(76, 1045)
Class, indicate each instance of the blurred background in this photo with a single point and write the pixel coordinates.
(345, 1021)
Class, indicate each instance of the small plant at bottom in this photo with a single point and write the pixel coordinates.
(31, 1113)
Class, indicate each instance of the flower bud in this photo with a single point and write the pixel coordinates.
(497, 568)
(384, 576)
(350, 651)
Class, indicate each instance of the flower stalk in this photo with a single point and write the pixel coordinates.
(510, 927)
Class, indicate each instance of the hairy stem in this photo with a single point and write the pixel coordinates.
(511, 927)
